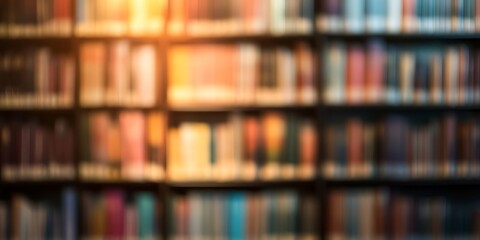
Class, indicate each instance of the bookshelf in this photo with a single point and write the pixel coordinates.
(317, 111)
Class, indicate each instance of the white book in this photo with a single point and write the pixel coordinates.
(394, 15)
(286, 72)
(335, 73)
(143, 75)
(277, 17)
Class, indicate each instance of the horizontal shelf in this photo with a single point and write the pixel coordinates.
(392, 107)
(239, 108)
(404, 36)
(123, 184)
(37, 111)
(242, 184)
(241, 38)
(121, 108)
(30, 185)
(122, 37)
(404, 182)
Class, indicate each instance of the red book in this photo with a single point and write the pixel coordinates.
(251, 141)
(132, 134)
(308, 144)
(114, 214)
(355, 73)
(375, 74)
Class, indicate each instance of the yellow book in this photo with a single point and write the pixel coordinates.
(202, 150)
(180, 90)
(147, 17)
(173, 155)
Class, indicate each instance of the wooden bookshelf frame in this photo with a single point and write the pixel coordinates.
(320, 185)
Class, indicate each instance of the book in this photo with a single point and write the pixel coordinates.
(233, 17)
(42, 18)
(34, 150)
(361, 213)
(397, 74)
(241, 75)
(354, 11)
(38, 77)
(241, 214)
(120, 17)
(114, 213)
(266, 147)
(122, 146)
(118, 74)
(399, 146)
(405, 16)
(24, 215)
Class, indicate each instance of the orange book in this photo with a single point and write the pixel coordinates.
(99, 126)
(306, 88)
(176, 24)
(308, 148)
(355, 73)
(354, 146)
(132, 133)
(156, 129)
(409, 19)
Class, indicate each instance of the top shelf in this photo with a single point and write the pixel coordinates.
(240, 38)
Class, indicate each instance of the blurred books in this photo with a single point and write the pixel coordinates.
(118, 74)
(114, 214)
(239, 17)
(398, 16)
(120, 17)
(127, 145)
(36, 150)
(36, 18)
(241, 74)
(29, 217)
(268, 147)
(403, 146)
(383, 214)
(401, 74)
(243, 215)
(36, 78)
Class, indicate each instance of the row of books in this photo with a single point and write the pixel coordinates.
(397, 146)
(268, 147)
(36, 77)
(125, 145)
(120, 17)
(119, 73)
(243, 215)
(401, 74)
(393, 16)
(114, 214)
(52, 217)
(241, 74)
(31, 149)
(30, 18)
(235, 17)
(382, 214)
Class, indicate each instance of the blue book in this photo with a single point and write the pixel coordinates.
(69, 206)
(145, 203)
(236, 209)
